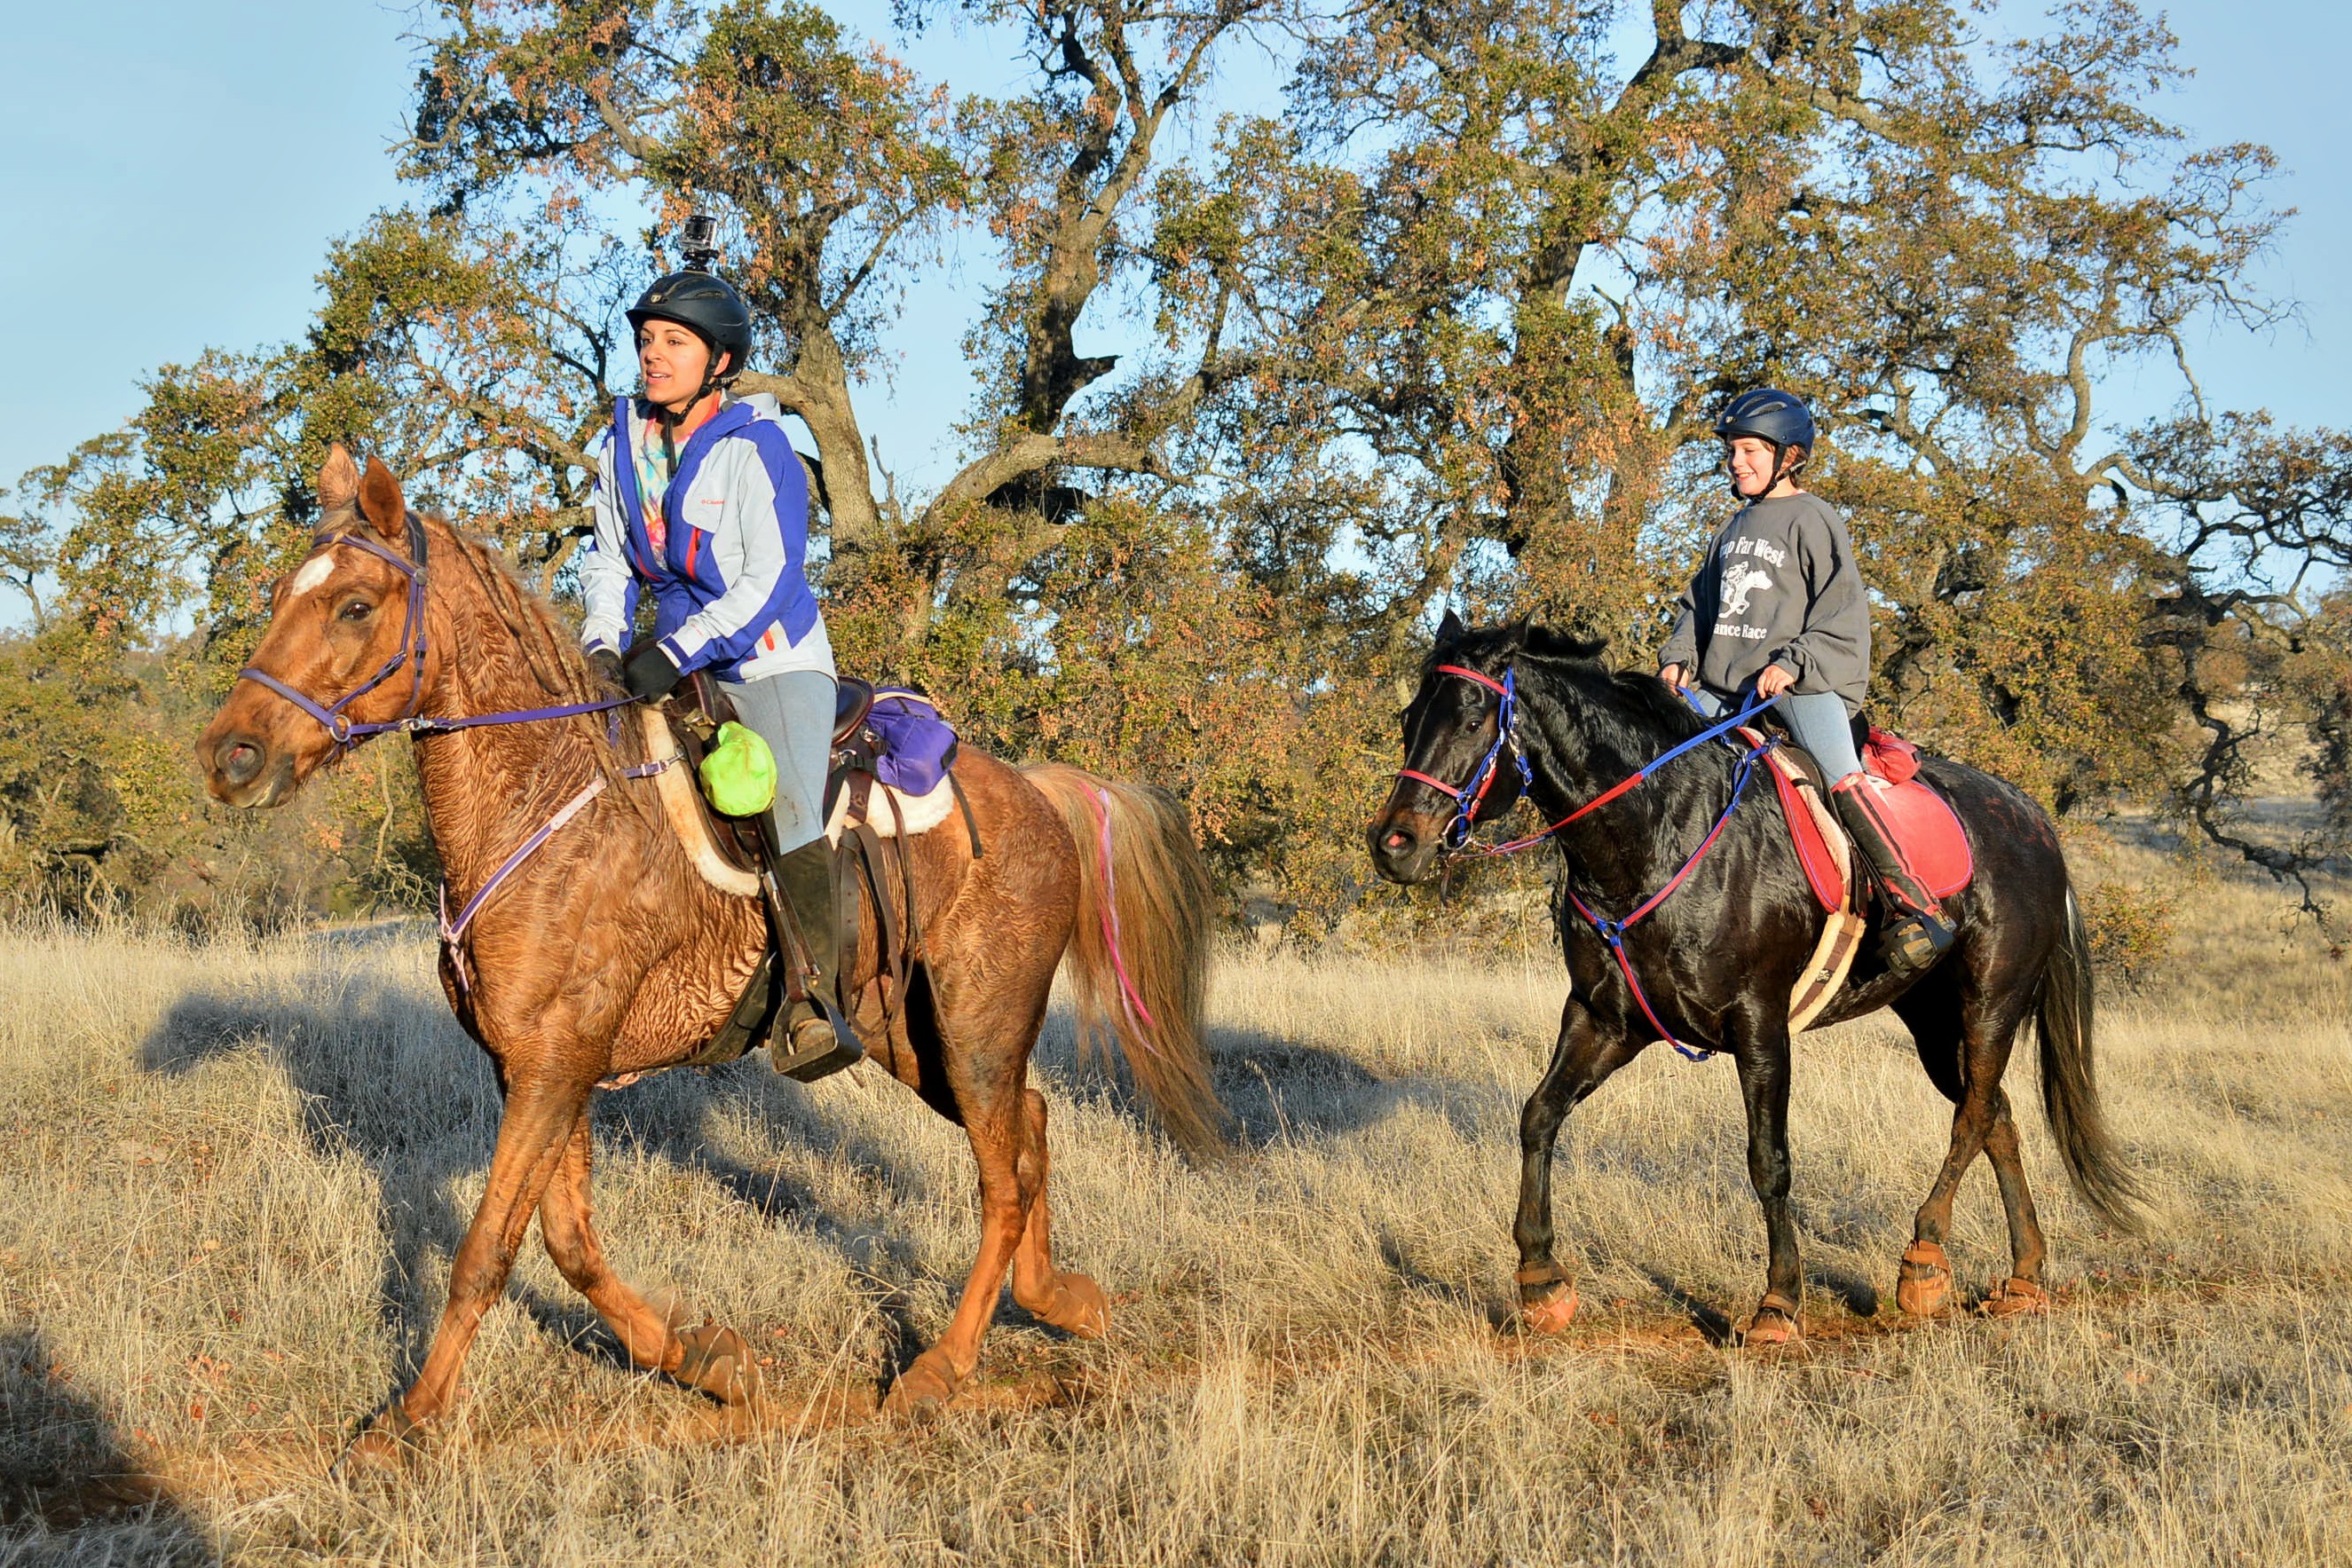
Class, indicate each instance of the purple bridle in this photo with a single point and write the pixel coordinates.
(339, 725)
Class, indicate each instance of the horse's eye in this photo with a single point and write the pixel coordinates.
(357, 610)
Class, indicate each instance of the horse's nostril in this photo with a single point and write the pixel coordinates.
(239, 761)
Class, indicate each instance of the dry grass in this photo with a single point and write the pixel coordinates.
(233, 1174)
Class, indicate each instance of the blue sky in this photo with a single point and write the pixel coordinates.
(172, 172)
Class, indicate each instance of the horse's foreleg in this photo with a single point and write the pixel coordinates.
(713, 1359)
(1579, 1062)
(532, 1133)
(2021, 1291)
(1067, 1301)
(1762, 1054)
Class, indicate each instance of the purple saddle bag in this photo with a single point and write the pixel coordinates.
(915, 747)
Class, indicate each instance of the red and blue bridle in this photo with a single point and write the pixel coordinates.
(339, 724)
(1470, 797)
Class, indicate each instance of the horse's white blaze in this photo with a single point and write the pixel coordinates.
(315, 570)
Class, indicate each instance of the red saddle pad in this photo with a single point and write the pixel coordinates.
(1929, 834)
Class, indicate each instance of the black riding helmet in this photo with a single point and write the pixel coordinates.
(706, 306)
(1779, 419)
(709, 308)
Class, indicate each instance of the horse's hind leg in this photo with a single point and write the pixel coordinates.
(1066, 1299)
(713, 1359)
(1963, 1041)
(2021, 1291)
(986, 1053)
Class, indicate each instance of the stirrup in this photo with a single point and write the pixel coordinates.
(820, 1060)
(1912, 943)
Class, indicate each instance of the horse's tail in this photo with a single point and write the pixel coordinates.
(2069, 1093)
(1138, 959)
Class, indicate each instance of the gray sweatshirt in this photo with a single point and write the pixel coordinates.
(1779, 587)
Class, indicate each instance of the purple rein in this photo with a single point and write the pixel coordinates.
(337, 723)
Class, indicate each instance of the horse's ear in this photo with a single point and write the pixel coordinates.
(381, 504)
(1451, 629)
(339, 480)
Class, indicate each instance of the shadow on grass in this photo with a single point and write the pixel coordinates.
(69, 1492)
(387, 1075)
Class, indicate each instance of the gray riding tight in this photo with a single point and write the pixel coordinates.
(793, 714)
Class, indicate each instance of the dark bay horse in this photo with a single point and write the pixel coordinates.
(607, 952)
(1718, 958)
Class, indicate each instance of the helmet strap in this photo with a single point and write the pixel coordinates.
(1781, 469)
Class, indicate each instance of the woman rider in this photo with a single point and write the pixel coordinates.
(700, 497)
(1778, 606)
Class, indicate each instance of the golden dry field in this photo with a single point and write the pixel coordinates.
(231, 1175)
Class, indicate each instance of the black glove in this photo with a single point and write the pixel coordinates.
(650, 674)
(605, 666)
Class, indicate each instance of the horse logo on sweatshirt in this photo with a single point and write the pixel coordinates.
(1740, 579)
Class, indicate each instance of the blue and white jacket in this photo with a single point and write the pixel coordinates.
(730, 584)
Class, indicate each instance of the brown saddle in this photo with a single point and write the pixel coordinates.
(865, 865)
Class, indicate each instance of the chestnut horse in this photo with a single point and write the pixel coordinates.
(606, 953)
(1512, 711)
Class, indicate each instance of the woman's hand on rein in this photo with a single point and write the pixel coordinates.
(649, 674)
(605, 666)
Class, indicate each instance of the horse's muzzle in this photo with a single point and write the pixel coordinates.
(1404, 845)
(241, 771)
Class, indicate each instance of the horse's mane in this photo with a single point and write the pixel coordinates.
(547, 648)
(1630, 707)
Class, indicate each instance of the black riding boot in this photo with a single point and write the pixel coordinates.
(814, 1038)
(1916, 933)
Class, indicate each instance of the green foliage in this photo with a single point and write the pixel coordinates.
(1448, 320)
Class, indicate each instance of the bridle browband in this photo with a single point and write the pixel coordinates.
(339, 728)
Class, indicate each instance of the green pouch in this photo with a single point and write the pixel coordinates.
(739, 772)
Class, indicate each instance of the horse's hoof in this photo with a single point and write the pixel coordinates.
(1078, 1306)
(923, 1388)
(1550, 1316)
(2016, 1298)
(1925, 1281)
(1777, 1321)
(715, 1359)
(390, 1443)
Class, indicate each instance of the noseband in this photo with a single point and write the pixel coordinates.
(1469, 797)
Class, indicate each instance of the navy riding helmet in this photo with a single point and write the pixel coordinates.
(1779, 419)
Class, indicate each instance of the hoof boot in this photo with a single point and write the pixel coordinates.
(391, 1443)
(1078, 1306)
(716, 1359)
(1552, 1315)
(1777, 1321)
(2016, 1298)
(923, 1389)
(1925, 1281)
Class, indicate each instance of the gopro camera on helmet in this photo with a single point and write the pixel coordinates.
(701, 242)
